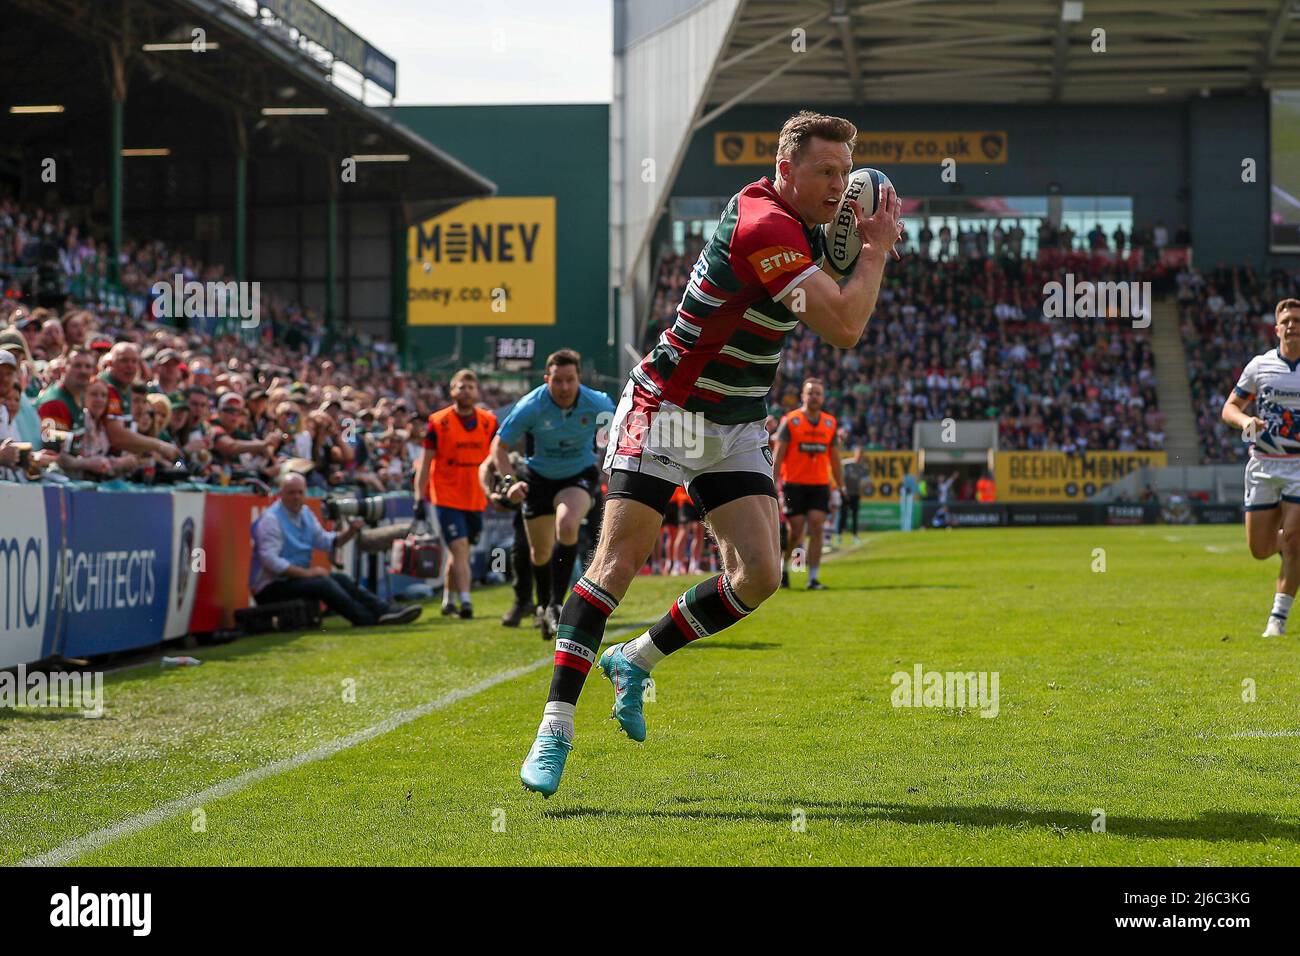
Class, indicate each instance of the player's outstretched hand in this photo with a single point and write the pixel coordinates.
(518, 491)
(880, 230)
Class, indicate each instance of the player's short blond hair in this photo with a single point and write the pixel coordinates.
(805, 125)
(465, 373)
(1286, 305)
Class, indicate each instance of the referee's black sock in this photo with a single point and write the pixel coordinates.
(523, 575)
(562, 565)
(522, 562)
(542, 579)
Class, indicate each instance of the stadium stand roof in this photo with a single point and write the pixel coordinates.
(251, 69)
(1019, 51)
(680, 64)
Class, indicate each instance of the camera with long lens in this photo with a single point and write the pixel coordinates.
(368, 507)
(373, 540)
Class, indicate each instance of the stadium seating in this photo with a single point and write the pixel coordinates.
(51, 269)
(966, 338)
(1226, 318)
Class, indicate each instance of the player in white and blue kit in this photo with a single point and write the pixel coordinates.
(559, 421)
(1272, 381)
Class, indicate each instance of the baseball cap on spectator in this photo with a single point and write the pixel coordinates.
(179, 403)
(7, 358)
(13, 341)
(229, 399)
(26, 322)
(100, 343)
(164, 356)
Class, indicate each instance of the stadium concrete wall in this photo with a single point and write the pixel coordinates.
(552, 150)
(1180, 162)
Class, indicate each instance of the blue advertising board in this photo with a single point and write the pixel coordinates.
(115, 571)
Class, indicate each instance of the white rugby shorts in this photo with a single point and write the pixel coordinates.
(653, 437)
(1271, 480)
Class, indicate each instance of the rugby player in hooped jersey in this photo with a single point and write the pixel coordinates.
(693, 414)
(1272, 381)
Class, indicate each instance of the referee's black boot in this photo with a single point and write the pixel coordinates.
(515, 615)
(550, 622)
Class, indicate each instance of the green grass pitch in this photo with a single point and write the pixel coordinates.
(1120, 691)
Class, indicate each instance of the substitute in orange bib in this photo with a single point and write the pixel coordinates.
(457, 441)
(807, 461)
(985, 489)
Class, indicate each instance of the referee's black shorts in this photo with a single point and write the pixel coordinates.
(540, 500)
(801, 499)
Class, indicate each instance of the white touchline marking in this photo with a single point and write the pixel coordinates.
(141, 821)
(1264, 733)
(101, 838)
(1217, 549)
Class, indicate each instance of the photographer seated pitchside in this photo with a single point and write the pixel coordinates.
(284, 538)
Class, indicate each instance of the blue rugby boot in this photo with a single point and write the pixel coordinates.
(545, 764)
(629, 683)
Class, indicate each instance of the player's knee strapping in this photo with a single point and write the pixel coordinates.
(709, 607)
(577, 643)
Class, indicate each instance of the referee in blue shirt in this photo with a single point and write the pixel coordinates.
(558, 422)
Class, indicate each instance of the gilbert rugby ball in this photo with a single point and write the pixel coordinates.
(843, 244)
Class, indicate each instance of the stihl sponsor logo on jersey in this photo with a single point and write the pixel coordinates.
(813, 447)
(775, 260)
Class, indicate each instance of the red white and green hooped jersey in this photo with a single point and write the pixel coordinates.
(719, 358)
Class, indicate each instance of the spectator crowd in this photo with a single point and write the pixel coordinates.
(1226, 319)
(93, 386)
(965, 337)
